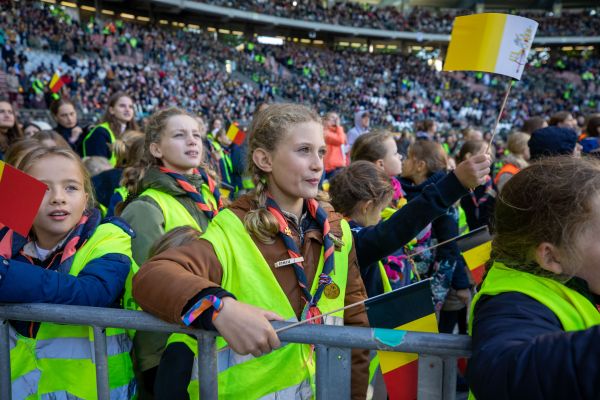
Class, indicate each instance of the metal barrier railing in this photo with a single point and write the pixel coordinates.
(438, 353)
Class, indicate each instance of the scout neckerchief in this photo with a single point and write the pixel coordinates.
(325, 282)
(489, 192)
(196, 195)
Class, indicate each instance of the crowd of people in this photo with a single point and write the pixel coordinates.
(158, 207)
(415, 19)
(159, 66)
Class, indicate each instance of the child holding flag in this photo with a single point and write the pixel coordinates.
(169, 189)
(70, 257)
(266, 250)
(535, 322)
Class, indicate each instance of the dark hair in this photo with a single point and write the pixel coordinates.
(593, 125)
(559, 117)
(469, 147)
(550, 201)
(369, 146)
(13, 133)
(361, 181)
(533, 124)
(432, 153)
(57, 104)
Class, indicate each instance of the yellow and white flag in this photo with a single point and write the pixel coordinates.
(490, 42)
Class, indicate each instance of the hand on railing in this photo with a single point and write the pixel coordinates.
(247, 328)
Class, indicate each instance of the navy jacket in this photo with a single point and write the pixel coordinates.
(99, 284)
(375, 242)
(443, 228)
(520, 351)
(97, 144)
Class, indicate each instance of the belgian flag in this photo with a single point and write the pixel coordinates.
(476, 247)
(20, 198)
(235, 134)
(409, 308)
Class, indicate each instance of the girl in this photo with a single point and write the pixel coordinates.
(64, 113)
(535, 324)
(266, 250)
(362, 190)
(167, 189)
(516, 160)
(478, 206)
(10, 130)
(69, 258)
(426, 164)
(118, 118)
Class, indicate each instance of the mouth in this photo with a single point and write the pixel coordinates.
(313, 182)
(59, 215)
(192, 153)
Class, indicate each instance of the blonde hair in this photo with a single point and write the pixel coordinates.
(517, 143)
(54, 136)
(96, 164)
(18, 149)
(267, 131)
(154, 130)
(41, 152)
(122, 147)
(174, 238)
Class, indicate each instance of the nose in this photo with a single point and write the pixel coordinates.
(317, 162)
(57, 197)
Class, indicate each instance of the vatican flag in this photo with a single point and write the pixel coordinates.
(490, 42)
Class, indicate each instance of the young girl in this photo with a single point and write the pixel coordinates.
(10, 130)
(168, 189)
(64, 113)
(71, 257)
(118, 118)
(535, 323)
(426, 164)
(266, 250)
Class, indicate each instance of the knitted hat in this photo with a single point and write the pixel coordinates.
(552, 141)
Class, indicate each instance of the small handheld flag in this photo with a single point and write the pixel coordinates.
(408, 308)
(56, 83)
(20, 198)
(235, 134)
(476, 248)
(490, 42)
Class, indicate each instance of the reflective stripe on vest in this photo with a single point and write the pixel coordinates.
(387, 287)
(174, 213)
(78, 348)
(63, 355)
(26, 385)
(113, 156)
(290, 369)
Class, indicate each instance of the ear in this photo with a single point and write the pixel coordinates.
(365, 206)
(467, 156)
(262, 159)
(155, 150)
(548, 257)
(421, 166)
(379, 164)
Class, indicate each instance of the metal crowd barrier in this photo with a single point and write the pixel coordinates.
(438, 353)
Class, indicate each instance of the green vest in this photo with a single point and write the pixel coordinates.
(58, 362)
(122, 190)
(572, 309)
(174, 213)
(113, 157)
(287, 372)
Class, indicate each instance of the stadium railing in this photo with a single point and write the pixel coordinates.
(438, 353)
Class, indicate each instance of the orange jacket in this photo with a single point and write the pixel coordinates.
(335, 138)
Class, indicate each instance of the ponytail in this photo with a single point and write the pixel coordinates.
(260, 222)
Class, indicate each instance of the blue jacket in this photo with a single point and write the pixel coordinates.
(28, 280)
(537, 361)
(375, 242)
